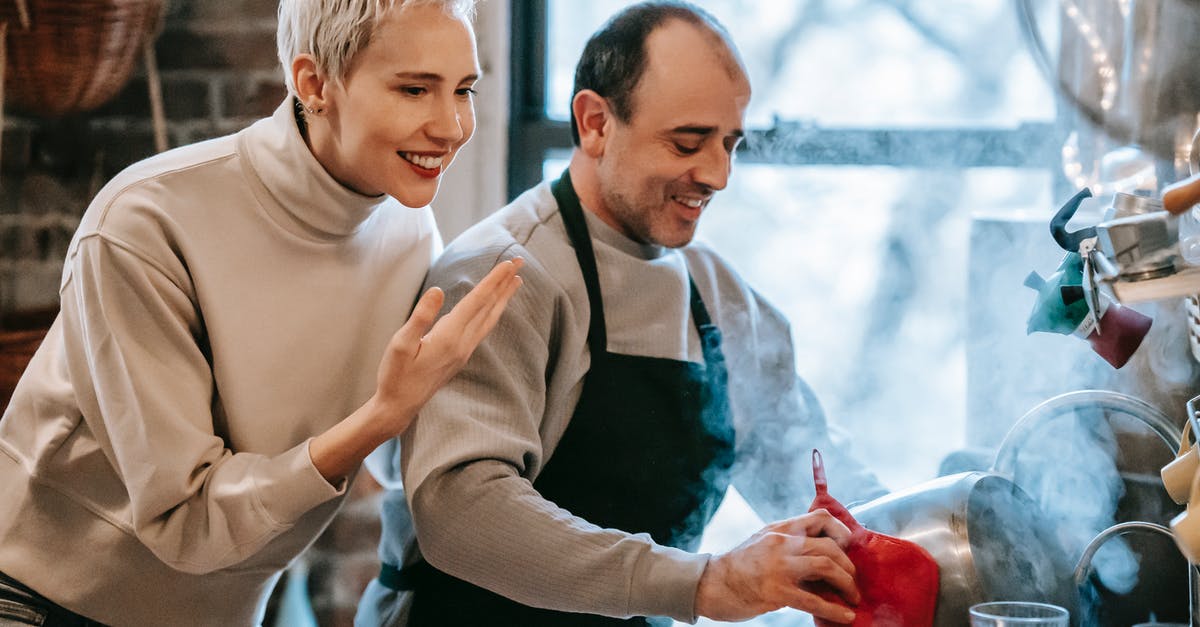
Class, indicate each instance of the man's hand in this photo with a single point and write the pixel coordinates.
(772, 568)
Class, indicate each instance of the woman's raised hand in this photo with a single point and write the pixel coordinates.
(423, 355)
(420, 358)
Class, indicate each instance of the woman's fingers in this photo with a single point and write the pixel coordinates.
(480, 298)
(475, 315)
(421, 320)
(492, 315)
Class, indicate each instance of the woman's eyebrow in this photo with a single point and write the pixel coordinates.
(420, 76)
(432, 76)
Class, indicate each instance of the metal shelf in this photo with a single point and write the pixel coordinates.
(1182, 284)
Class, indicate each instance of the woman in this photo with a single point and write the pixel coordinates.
(227, 349)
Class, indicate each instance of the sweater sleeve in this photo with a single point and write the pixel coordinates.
(136, 355)
(470, 459)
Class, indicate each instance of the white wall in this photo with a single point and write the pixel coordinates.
(475, 185)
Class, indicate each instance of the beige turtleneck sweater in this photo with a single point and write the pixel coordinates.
(222, 303)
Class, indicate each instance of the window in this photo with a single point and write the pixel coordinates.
(899, 152)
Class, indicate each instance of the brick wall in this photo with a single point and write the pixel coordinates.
(219, 72)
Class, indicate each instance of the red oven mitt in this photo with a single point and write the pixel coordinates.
(898, 580)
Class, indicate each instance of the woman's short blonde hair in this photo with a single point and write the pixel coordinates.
(334, 31)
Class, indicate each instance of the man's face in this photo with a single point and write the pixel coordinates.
(406, 105)
(658, 172)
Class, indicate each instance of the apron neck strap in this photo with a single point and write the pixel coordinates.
(572, 214)
(577, 232)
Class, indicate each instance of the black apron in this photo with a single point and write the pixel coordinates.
(648, 450)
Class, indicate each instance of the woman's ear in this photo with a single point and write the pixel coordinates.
(592, 119)
(310, 84)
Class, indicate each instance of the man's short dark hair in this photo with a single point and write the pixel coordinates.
(614, 59)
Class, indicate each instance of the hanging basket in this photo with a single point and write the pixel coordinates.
(73, 55)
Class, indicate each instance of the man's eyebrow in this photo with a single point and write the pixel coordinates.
(702, 130)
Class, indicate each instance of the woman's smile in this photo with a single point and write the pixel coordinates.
(428, 165)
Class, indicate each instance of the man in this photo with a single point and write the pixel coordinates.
(565, 476)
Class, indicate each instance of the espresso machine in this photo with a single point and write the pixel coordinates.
(1127, 76)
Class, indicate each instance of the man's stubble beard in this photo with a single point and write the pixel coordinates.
(638, 222)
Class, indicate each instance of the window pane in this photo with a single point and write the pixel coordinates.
(853, 62)
(870, 266)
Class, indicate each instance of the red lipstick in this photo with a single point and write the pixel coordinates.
(429, 173)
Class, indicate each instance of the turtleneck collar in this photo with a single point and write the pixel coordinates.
(601, 231)
(306, 197)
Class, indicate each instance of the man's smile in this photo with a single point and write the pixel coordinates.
(694, 202)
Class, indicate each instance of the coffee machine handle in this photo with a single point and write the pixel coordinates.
(1058, 224)
(1183, 195)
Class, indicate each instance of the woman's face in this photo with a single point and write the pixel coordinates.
(404, 109)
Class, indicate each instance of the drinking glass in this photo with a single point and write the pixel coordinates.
(1018, 614)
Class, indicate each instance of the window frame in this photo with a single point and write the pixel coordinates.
(533, 135)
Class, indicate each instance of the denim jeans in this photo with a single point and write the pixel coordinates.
(20, 606)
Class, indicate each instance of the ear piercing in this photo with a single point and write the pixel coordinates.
(314, 111)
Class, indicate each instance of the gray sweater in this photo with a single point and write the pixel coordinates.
(471, 457)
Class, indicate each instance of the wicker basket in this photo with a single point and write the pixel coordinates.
(76, 54)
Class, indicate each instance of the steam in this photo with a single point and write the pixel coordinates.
(1165, 353)
(1089, 466)
(1069, 468)
(1014, 552)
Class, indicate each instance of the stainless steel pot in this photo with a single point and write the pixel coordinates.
(988, 537)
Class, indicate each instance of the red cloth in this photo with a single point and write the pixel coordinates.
(898, 580)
